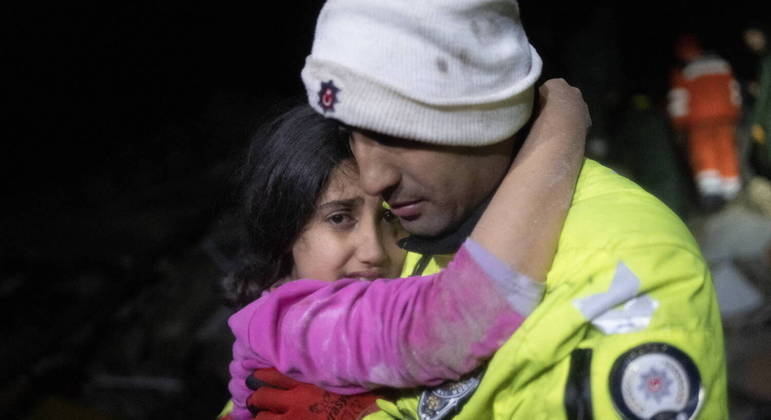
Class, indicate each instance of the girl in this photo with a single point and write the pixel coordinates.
(304, 213)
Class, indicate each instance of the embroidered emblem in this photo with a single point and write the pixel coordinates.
(446, 400)
(328, 96)
(655, 384)
(656, 380)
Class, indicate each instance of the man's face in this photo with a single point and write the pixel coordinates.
(755, 40)
(431, 188)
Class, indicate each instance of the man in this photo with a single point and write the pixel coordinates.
(435, 92)
(705, 103)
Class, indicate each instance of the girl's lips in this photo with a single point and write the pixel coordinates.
(365, 275)
(410, 210)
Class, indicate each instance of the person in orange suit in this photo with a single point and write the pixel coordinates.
(705, 105)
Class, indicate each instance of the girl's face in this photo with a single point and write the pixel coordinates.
(350, 235)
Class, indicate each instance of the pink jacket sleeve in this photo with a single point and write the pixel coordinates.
(350, 336)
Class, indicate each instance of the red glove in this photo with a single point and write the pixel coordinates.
(279, 397)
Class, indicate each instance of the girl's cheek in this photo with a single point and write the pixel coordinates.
(335, 253)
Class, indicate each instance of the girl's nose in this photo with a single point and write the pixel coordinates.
(370, 249)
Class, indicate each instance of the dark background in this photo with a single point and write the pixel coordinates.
(125, 123)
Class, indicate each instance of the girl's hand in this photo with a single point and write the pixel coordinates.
(279, 397)
(562, 116)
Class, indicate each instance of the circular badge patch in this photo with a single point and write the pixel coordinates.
(656, 381)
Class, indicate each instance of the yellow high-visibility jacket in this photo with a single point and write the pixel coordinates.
(629, 326)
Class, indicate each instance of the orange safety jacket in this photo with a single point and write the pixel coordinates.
(704, 90)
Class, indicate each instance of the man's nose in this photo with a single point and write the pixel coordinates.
(377, 177)
(377, 174)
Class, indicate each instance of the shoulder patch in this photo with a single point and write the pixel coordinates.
(446, 400)
(656, 381)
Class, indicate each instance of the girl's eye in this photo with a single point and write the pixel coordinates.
(337, 218)
(340, 220)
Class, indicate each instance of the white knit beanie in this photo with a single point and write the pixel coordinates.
(453, 72)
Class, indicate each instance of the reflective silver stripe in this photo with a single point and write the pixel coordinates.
(635, 314)
(678, 102)
(706, 66)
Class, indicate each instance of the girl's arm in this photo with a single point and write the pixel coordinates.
(349, 336)
(521, 226)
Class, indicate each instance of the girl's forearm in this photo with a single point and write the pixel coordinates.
(351, 336)
(522, 223)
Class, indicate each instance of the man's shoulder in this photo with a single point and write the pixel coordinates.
(616, 230)
(609, 210)
(596, 179)
(600, 185)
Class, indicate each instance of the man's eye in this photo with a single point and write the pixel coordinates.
(388, 216)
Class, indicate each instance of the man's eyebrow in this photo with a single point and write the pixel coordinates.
(345, 202)
(379, 137)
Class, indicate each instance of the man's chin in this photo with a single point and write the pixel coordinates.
(426, 226)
